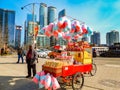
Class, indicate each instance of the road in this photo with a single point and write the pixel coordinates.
(12, 75)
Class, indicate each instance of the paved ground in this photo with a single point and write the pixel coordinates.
(12, 75)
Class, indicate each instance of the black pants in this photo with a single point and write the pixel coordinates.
(31, 67)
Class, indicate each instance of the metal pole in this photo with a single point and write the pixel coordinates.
(33, 23)
(33, 17)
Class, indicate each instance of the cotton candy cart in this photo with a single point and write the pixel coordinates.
(71, 30)
(72, 74)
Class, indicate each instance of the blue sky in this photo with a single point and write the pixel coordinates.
(100, 15)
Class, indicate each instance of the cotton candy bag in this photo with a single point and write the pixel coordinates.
(37, 77)
(55, 84)
(47, 81)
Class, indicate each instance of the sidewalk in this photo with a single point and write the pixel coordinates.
(12, 75)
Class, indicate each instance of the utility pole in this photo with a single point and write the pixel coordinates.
(33, 23)
(33, 17)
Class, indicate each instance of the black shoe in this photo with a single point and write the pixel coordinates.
(17, 62)
(28, 76)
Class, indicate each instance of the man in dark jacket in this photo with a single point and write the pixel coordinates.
(31, 61)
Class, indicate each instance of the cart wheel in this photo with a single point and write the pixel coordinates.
(94, 69)
(62, 84)
(77, 81)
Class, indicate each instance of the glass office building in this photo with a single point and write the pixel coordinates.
(51, 18)
(27, 26)
(112, 37)
(62, 13)
(95, 38)
(51, 14)
(31, 18)
(25, 33)
(47, 15)
(30, 32)
(42, 40)
(7, 27)
(61, 42)
(18, 36)
(43, 15)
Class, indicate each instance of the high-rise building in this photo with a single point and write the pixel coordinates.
(31, 18)
(51, 14)
(46, 16)
(51, 18)
(18, 36)
(61, 42)
(112, 37)
(62, 13)
(43, 14)
(30, 32)
(95, 38)
(42, 40)
(7, 27)
(28, 26)
(25, 33)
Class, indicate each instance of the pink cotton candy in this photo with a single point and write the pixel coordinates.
(47, 81)
(55, 84)
(41, 73)
(35, 80)
(42, 82)
(38, 76)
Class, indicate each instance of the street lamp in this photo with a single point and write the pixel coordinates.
(33, 18)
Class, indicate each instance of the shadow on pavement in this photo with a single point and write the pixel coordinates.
(9, 63)
(8, 56)
(12, 63)
(20, 83)
(17, 83)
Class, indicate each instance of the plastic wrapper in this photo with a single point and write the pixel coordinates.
(55, 84)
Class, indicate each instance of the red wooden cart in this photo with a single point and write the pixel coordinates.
(73, 74)
(70, 75)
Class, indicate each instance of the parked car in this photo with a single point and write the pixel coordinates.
(41, 54)
(46, 50)
(110, 54)
(54, 53)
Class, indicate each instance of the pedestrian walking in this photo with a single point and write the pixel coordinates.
(31, 61)
(20, 53)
